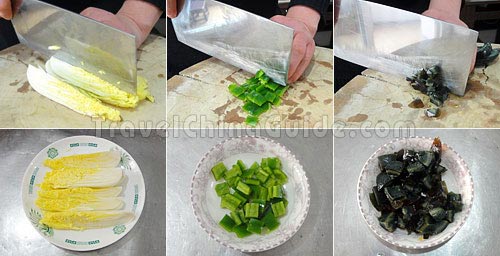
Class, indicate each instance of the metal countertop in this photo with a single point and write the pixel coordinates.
(479, 148)
(186, 237)
(19, 147)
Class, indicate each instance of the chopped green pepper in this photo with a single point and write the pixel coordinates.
(227, 223)
(251, 210)
(278, 209)
(252, 182)
(255, 226)
(219, 170)
(233, 172)
(252, 120)
(222, 189)
(270, 221)
(230, 202)
(262, 176)
(241, 231)
(243, 188)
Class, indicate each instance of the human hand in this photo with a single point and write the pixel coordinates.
(451, 17)
(171, 8)
(303, 44)
(135, 17)
(8, 8)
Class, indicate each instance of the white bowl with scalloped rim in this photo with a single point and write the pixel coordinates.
(206, 203)
(458, 179)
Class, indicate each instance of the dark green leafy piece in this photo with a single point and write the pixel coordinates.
(388, 221)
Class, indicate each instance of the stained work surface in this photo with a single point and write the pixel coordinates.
(374, 97)
(199, 95)
(22, 107)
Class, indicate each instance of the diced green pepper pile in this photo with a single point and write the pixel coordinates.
(255, 196)
(258, 93)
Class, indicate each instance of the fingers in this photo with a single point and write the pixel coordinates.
(304, 63)
(298, 54)
(5, 9)
(171, 8)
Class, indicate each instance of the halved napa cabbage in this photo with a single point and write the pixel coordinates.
(83, 193)
(85, 219)
(68, 95)
(99, 88)
(71, 177)
(78, 204)
(105, 159)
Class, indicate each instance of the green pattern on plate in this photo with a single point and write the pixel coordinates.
(35, 220)
(52, 153)
(119, 229)
(125, 161)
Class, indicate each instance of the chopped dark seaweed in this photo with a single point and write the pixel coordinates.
(430, 82)
(486, 54)
(411, 194)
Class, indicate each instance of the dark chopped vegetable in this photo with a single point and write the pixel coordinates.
(258, 93)
(486, 54)
(410, 193)
(254, 195)
(430, 82)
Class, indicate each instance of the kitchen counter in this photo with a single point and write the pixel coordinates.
(478, 148)
(22, 107)
(186, 237)
(377, 97)
(19, 237)
(199, 96)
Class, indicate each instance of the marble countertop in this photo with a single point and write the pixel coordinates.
(22, 107)
(376, 99)
(199, 97)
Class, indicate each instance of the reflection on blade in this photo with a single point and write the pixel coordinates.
(235, 36)
(79, 41)
(400, 42)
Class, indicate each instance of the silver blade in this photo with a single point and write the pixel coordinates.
(100, 49)
(238, 37)
(400, 42)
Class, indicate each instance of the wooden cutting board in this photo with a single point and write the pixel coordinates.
(376, 99)
(198, 97)
(22, 107)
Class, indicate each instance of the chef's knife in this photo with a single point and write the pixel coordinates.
(400, 42)
(100, 49)
(235, 36)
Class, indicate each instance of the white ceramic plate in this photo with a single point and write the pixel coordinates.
(206, 203)
(133, 193)
(458, 179)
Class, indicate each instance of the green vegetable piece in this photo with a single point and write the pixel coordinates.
(236, 218)
(241, 214)
(277, 101)
(272, 85)
(233, 172)
(264, 162)
(260, 88)
(275, 192)
(219, 170)
(256, 98)
(255, 226)
(270, 221)
(426, 157)
(254, 109)
(264, 79)
(268, 170)
(251, 210)
(241, 231)
(230, 202)
(259, 73)
(270, 182)
(270, 96)
(280, 176)
(252, 121)
(281, 90)
(285, 202)
(242, 197)
(278, 209)
(262, 175)
(222, 189)
(236, 90)
(273, 163)
(415, 167)
(241, 165)
(227, 223)
(252, 182)
(243, 188)
(263, 193)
